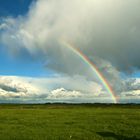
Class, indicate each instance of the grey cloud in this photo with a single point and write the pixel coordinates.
(132, 84)
(114, 34)
(106, 29)
(8, 88)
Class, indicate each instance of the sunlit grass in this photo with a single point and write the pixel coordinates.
(64, 122)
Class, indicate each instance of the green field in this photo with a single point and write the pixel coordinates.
(69, 122)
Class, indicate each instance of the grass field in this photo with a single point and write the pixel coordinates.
(69, 122)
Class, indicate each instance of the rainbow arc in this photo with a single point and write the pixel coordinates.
(93, 67)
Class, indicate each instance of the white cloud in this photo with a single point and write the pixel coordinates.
(45, 89)
(135, 93)
(27, 89)
(17, 87)
(62, 93)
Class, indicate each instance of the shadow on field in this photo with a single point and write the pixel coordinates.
(117, 137)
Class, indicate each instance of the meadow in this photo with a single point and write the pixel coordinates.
(69, 122)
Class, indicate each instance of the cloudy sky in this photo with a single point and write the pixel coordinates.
(36, 67)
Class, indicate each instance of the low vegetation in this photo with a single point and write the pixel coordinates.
(70, 122)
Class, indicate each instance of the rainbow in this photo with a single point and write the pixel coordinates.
(93, 67)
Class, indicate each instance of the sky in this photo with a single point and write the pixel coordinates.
(69, 51)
